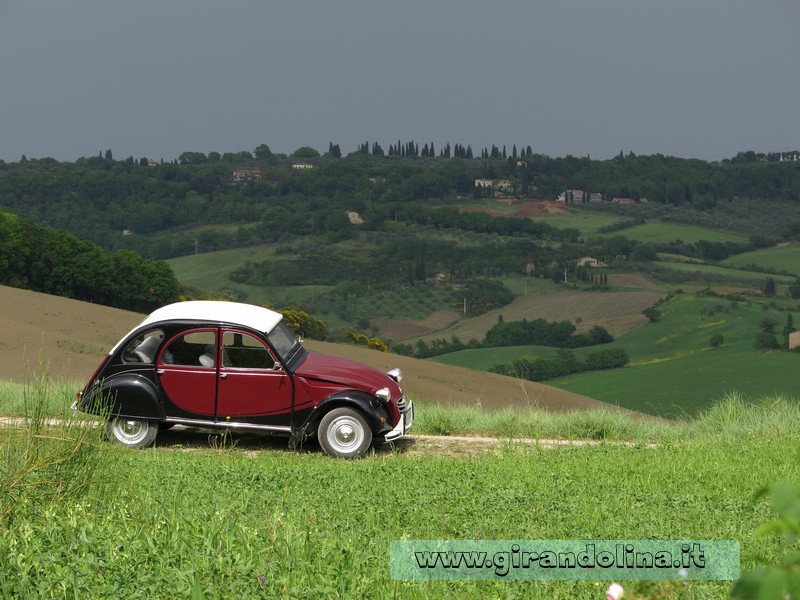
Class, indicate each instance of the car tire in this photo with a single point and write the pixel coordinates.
(344, 433)
(133, 433)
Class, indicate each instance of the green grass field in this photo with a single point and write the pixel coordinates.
(588, 221)
(661, 231)
(674, 371)
(209, 272)
(690, 384)
(781, 259)
(585, 221)
(484, 358)
(673, 368)
(700, 268)
(223, 521)
(667, 386)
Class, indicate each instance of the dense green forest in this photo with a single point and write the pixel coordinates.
(255, 197)
(40, 258)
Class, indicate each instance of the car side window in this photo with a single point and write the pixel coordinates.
(143, 348)
(193, 349)
(244, 351)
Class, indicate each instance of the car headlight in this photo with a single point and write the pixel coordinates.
(383, 394)
(396, 375)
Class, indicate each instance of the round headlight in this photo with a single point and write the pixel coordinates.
(383, 394)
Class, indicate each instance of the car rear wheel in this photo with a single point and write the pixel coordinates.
(133, 433)
(344, 433)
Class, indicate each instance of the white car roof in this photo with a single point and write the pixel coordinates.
(247, 315)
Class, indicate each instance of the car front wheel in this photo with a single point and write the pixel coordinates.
(133, 433)
(344, 433)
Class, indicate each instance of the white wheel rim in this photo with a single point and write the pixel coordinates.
(345, 434)
(130, 431)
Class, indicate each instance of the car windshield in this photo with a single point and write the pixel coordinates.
(284, 342)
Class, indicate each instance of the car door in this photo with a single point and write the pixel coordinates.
(252, 385)
(187, 372)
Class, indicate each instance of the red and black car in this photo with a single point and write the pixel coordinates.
(238, 366)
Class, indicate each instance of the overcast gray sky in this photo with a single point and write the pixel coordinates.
(689, 78)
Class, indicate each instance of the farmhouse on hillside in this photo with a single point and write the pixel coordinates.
(494, 184)
(246, 174)
(570, 196)
(590, 261)
(794, 340)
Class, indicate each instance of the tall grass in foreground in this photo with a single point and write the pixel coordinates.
(41, 464)
(52, 402)
(733, 416)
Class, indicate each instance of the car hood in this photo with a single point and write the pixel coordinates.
(332, 369)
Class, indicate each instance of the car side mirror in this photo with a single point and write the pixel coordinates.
(277, 366)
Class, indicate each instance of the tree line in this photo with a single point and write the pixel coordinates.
(564, 363)
(43, 259)
(538, 332)
(413, 257)
(142, 205)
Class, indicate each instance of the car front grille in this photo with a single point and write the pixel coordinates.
(401, 404)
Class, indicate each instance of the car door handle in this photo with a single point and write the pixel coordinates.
(223, 375)
(160, 371)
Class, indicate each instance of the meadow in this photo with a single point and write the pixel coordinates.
(782, 259)
(674, 370)
(210, 271)
(701, 270)
(656, 231)
(589, 222)
(585, 221)
(222, 520)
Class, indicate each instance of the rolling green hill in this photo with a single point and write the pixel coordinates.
(687, 385)
(657, 231)
(673, 369)
(756, 278)
(589, 221)
(209, 273)
(783, 258)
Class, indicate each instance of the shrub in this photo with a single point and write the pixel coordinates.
(765, 342)
(607, 359)
(652, 313)
(303, 324)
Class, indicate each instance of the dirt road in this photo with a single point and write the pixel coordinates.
(198, 439)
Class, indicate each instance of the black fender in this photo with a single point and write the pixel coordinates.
(379, 419)
(125, 395)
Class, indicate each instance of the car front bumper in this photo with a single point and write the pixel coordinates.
(403, 425)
